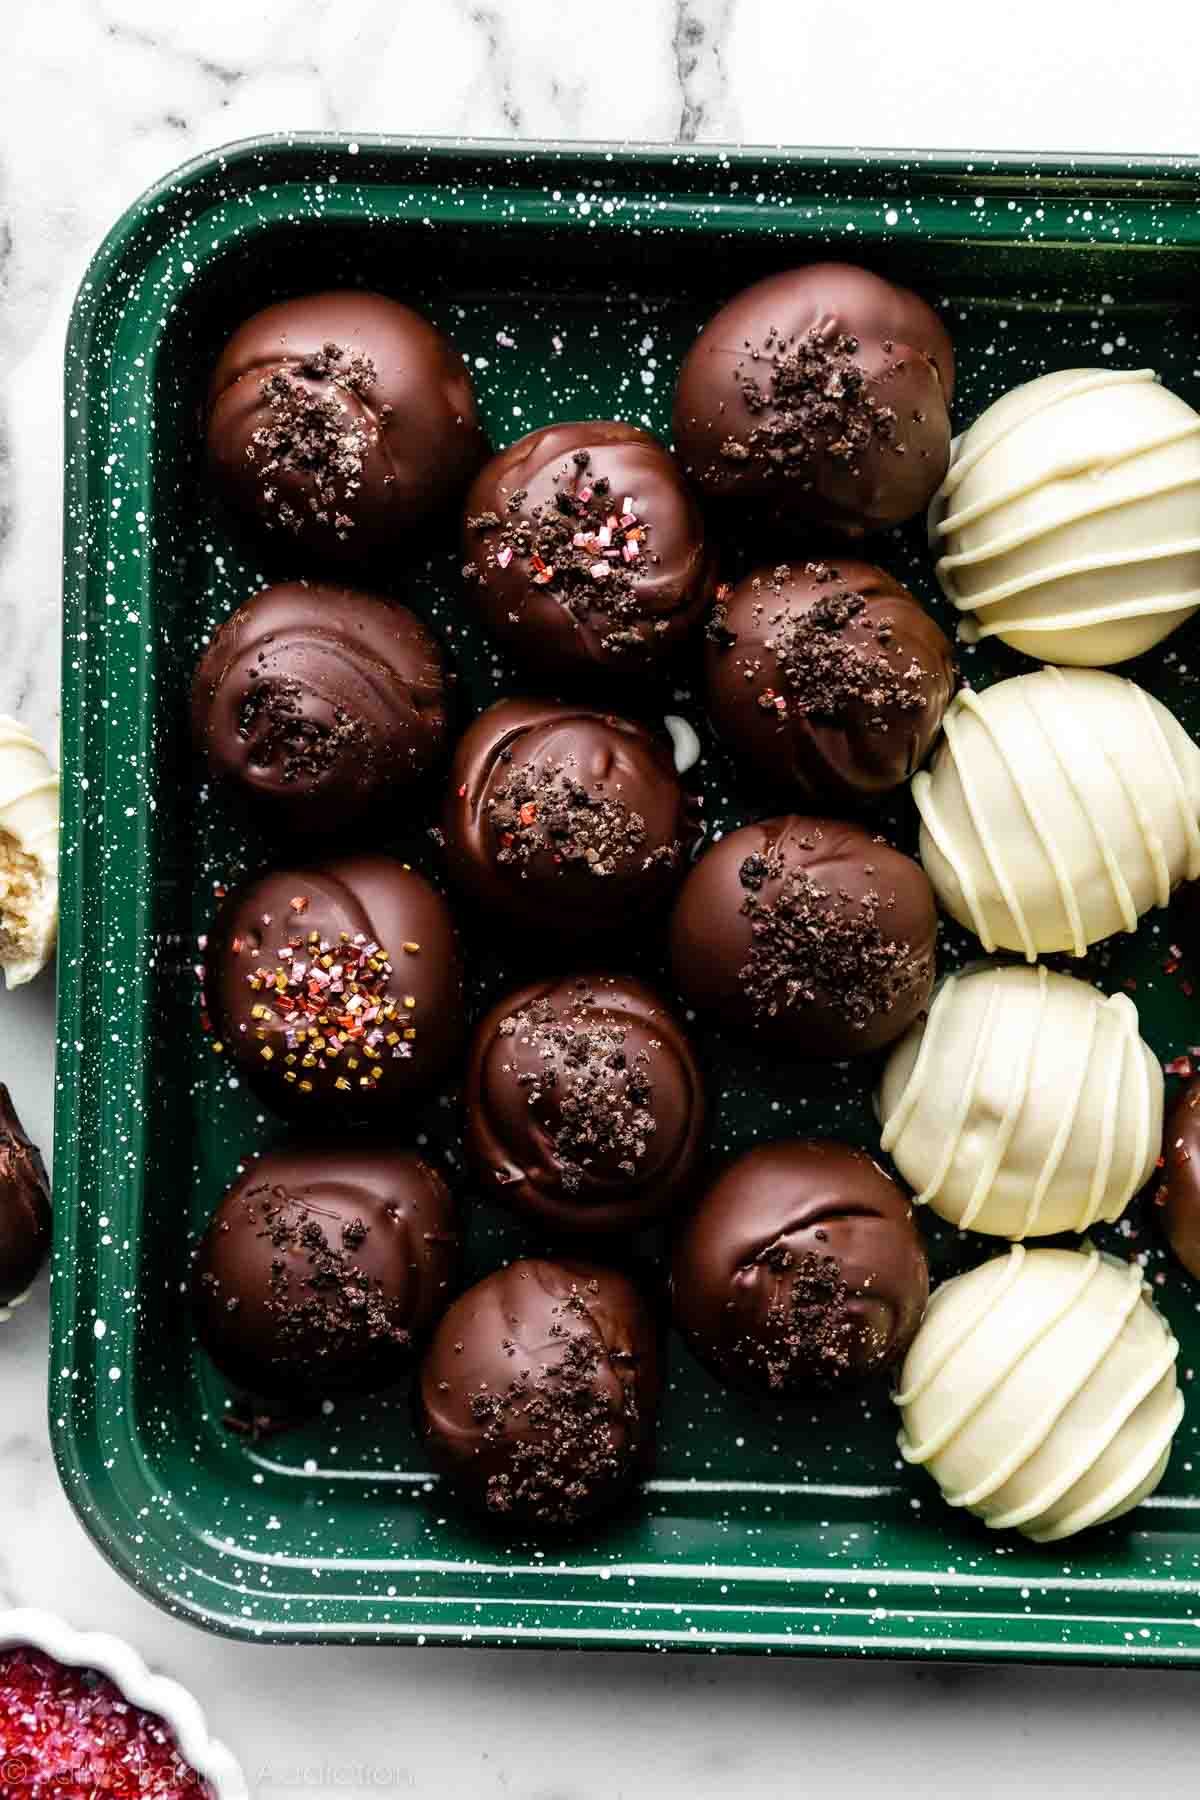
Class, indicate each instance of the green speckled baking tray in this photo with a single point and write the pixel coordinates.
(572, 277)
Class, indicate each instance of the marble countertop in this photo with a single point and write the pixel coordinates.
(97, 99)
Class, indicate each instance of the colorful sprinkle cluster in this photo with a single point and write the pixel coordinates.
(333, 1002)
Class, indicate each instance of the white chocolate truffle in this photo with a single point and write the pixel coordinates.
(1040, 1391)
(1059, 807)
(1024, 1105)
(1070, 517)
(28, 854)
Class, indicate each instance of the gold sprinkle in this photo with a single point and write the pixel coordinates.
(218, 1046)
(410, 1000)
(411, 949)
(267, 1054)
(410, 1034)
(306, 1087)
(343, 1084)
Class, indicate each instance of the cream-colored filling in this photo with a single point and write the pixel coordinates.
(22, 889)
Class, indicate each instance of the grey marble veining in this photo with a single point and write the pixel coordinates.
(97, 99)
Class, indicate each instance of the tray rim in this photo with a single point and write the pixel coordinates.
(93, 1500)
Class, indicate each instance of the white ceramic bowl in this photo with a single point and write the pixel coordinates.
(125, 1668)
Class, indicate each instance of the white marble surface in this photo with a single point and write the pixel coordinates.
(98, 98)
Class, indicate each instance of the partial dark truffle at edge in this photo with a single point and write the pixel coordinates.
(1177, 1197)
(801, 1269)
(320, 703)
(827, 679)
(539, 1392)
(584, 1104)
(585, 551)
(807, 935)
(566, 820)
(323, 1268)
(24, 1205)
(821, 397)
(337, 987)
(340, 422)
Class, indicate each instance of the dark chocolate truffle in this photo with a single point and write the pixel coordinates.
(565, 819)
(801, 1269)
(585, 550)
(584, 1104)
(809, 935)
(24, 1205)
(320, 702)
(322, 1267)
(1178, 1194)
(539, 1392)
(821, 395)
(340, 421)
(337, 987)
(828, 681)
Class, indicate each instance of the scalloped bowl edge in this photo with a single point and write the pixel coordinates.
(31, 1628)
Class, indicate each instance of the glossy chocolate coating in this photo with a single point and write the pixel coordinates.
(618, 604)
(339, 421)
(807, 935)
(320, 702)
(24, 1205)
(565, 819)
(801, 1269)
(321, 1268)
(822, 395)
(828, 680)
(350, 903)
(584, 1104)
(1177, 1196)
(539, 1392)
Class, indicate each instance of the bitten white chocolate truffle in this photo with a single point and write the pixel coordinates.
(28, 854)
(1024, 1105)
(1040, 1391)
(1059, 807)
(1069, 521)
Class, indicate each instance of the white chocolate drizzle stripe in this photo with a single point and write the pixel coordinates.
(1018, 1094)
(1153, 607)
(1085, 462)
(966, 1096)
(1191, 830)
(1029, 534)
(922, 793)
(968, 702)
(1139, 1135)
(1086, 1459)
(1111, 1502)
(1088, 381)
(1068, 898)
(1102, 1166)
(999, 1373)
(1120, 887)
(1066, 1126)
(1057, 1403)
(1010, 1267)
(1128, 558)
(895, 1126)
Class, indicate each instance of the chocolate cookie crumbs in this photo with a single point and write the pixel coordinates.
(588, 549)
(567, 1433)
(811, 398)
(544, 808)
(315, 431)
(324, 1304)
(832, 659)
(592, 1096)
(810, 943)
(281, 735)
(808, 1333)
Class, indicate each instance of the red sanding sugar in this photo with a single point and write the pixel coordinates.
(68, 1734)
